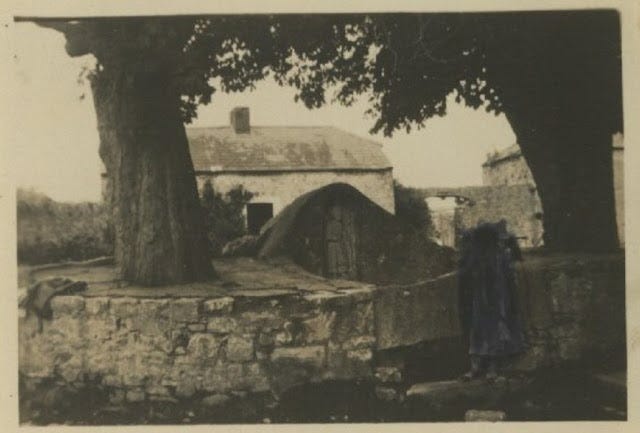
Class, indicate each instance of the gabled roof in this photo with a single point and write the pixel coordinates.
(283, 148)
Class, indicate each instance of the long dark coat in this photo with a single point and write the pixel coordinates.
(487, 291)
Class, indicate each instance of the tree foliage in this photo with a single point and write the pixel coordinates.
(405, 63)
(412, 209)
(555, 75)
(224, 219)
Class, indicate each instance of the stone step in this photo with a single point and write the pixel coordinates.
(443, 393)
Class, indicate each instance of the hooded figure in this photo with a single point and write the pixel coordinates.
(487, 296)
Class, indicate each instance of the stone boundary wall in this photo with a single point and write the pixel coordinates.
(145, 349)
(572, 307)
(178, 348)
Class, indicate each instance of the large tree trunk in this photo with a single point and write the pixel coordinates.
(560, 86)
(156, 214)
(572, 168)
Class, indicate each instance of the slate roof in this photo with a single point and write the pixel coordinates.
(283, 148)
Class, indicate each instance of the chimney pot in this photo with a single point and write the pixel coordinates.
(240, 120)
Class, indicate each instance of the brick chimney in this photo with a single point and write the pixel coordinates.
(240, 120)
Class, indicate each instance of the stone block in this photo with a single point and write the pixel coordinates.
(111, 380)
(360, 294)
(158, 390)
(240, 348)
(320, 327)
(261, 320)
(362, 355)
(67, 331)
(67, 306)
(187, 386)
(256, 377)
(222, 325)
(320, 297)
(388, 375)
(353, 320)
(185, 309)
(215, 379)
(311, 355)
(222, 305)
(386, 393)
(214, 400)
(135, 395)
(474, 415)
(203, 346)
(234, 376)
(125, 307)
(117, 396)
(96, 306)
(359, 342)
(197, 327)
(154, 308)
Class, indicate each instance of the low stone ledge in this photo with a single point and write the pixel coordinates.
(444, 392)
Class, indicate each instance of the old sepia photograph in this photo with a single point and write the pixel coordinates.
(368, 216)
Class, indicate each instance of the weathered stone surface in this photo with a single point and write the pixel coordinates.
(360, 342)
(185, 309)
(240, 348)
(473, 415)
(214, 400)
(387, 393)
(187, 385)
(256, 377)
(222, 305)
(312, 355)
(355, 319)
(362, 355)
(203, 346)
(421, 312)
(360, 294)
(67, 305)
(319, 297)
(157, 390)
(234, 376)
(222, 325)
(135, 395)
(320, 327)
(117, 396)
(388, 375)
(97, 306)
(197, 327)
(476, 391)
(265, 320)
(125, 307)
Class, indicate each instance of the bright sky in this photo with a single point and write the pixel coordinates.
(55, 146)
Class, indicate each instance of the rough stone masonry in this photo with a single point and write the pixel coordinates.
(143, 348)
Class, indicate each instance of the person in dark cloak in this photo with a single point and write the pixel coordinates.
(487, 296)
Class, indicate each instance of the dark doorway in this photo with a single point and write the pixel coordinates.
(257, 215)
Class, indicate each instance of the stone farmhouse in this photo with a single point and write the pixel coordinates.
(277, 164)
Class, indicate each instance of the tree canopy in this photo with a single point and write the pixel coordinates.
(555, 75)
(406, 63)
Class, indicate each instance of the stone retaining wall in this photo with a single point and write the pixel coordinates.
(155, 349)
(144, 348)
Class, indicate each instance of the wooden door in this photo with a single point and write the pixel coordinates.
(340, 242)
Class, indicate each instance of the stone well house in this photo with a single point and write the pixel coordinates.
(277, 164)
